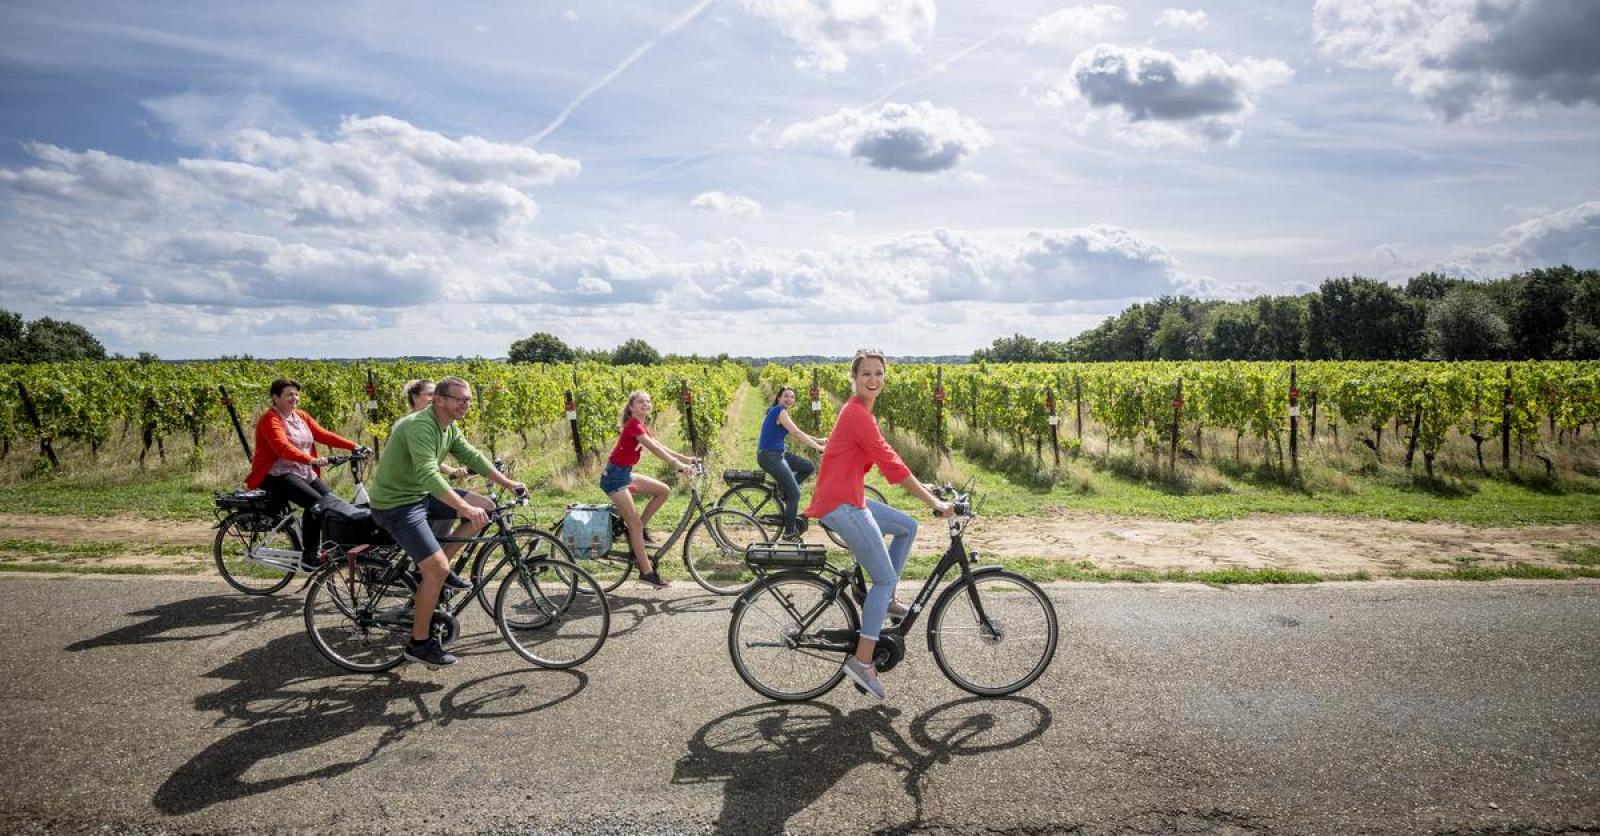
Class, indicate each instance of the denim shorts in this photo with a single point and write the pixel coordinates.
(615, 478)
(408, 524)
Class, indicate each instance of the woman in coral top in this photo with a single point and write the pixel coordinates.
(286, 464)
(840, 503)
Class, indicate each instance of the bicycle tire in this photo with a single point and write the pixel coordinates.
(764, 637)
(609, 570)
(344, 627)
(239, 533)
(1018, 655)
(759, 501)
(547, 633)
(533, 543)
(713, 550)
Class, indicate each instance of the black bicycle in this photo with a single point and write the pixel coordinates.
(992, 632)
(257, 548)
(755, 493)
(714, 542)
(359, 609)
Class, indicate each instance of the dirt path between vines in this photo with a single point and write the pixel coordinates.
(1324, 545)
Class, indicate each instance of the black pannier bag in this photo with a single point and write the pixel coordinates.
(348, 525)
(786, 555)
(256, 500)
(744, 477)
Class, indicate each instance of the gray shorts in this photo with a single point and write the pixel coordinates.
(409, 524)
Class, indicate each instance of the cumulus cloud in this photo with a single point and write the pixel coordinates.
(1192, 19)
(827, 32)
(1157, 98)
(200, 120)
(900, 137)
(1569, 236)
(1075, 23)
(1471, 58)
(722, 203)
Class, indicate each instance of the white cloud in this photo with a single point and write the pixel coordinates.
(737, 206)
(1192, 19)
(570, 15)
(200, 120)
(829, 31)
(1471, 58)
(1075, 24)
(1569, 236)
(1152, 97)
(903, 137)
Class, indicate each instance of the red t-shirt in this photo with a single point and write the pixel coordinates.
(854, 446)
(626, 453)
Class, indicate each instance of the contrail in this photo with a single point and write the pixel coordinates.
(620, 68)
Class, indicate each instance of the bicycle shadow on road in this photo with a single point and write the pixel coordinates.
(629, 612)
(187, 620)
(284, 702)
(777, 759)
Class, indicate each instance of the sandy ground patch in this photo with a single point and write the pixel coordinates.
(61, 529)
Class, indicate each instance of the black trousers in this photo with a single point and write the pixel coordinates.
(304, 493)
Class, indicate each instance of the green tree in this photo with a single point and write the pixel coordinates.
(635, 352)
(12, 329)
(1230, 333)
(1361, 319)
(1540, 313)
(541, 348)
(46, 340)
(1581, 339)
(1171, 338)
(1282, 328)
(1020, 349)
(1463, 325)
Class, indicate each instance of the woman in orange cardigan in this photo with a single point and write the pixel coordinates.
(286, 464)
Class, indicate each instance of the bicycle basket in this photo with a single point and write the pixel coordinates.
(786, 555)
(744, 477)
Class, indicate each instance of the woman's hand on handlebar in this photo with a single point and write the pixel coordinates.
(942, 508)
(320, 461)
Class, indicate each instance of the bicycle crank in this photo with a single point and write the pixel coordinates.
(890, 650)
(445, 627)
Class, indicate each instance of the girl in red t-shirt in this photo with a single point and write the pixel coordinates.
(619, 477)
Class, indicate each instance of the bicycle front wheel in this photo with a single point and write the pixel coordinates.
(993, 633)
(239, 536)
(552, 613)
(713, 551)
(355, 619)
(789, 636)
(494, 558)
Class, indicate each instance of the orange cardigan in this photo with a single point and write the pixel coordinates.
(272, 444)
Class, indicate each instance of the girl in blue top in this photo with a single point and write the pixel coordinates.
(787, 468)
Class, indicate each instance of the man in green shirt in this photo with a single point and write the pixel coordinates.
(407, 492)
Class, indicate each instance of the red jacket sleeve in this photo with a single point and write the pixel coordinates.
(328, 437)
(864, 432)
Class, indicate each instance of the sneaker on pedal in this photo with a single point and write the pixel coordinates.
(897, 610)
(429, 653)
(311, 563)
(861, 675)
(451, 581)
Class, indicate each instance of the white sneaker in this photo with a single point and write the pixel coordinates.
(860, 675)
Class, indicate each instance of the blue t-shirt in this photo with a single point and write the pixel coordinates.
(772, 432)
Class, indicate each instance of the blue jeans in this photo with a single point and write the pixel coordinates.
(863, 530)
(789, 471)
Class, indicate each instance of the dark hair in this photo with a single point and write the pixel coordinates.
(779, 396)
(447, 384)
(283, 383)
(414, 388)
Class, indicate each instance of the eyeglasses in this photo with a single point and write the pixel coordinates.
(458, 398)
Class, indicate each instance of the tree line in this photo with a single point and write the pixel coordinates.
(1543, 314)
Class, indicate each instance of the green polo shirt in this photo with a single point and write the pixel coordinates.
(408, 472)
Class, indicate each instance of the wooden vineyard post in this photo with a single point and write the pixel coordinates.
(1505, 427)
(1054, 420)
(687, 397)
(816, 404)
(371, 409)
(973, 418)
(33, 417)
(1294, 423)
(572, 423)
(1177, 422)
(234, 416)
(938, 411)
(1313, 415)
(1416, 427)
(1077, 395)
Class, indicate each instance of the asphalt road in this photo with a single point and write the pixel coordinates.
(158, 705)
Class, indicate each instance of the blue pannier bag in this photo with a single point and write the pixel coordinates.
(586, 531)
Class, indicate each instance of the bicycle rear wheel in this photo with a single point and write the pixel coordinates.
(789, 636)
(714, 548)
(356, 620)
(238, 536)
(552, 613)
(1006, 649)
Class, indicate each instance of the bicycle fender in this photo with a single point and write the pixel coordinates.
(952, 590)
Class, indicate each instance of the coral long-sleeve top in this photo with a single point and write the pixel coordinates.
(854, 446)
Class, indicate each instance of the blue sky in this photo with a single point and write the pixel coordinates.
(766, 176)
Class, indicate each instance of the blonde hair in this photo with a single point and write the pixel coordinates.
(627, 408)
(413, 391)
